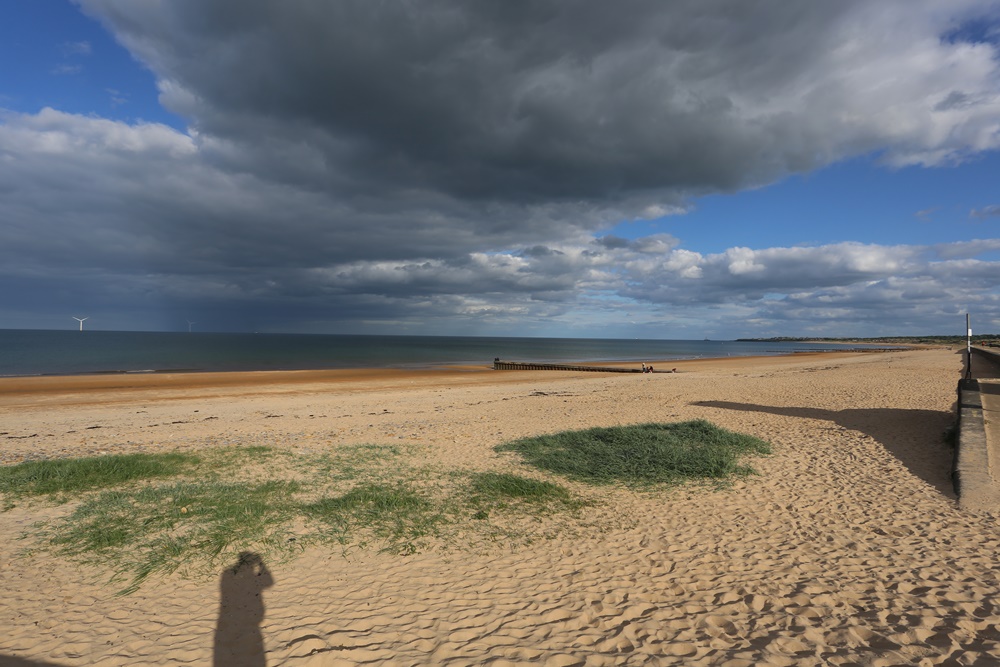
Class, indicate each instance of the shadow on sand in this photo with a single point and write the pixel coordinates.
(915, 437)
(238, 638)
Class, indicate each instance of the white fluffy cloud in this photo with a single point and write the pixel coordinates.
(357, 162)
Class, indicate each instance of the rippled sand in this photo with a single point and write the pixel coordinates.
(848, 548)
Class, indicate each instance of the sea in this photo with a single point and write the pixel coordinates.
(27, 352)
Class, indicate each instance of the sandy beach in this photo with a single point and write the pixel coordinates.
(847, 549)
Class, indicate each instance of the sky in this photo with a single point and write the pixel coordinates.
(568, 168)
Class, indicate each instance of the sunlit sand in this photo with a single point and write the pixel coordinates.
(847, 548)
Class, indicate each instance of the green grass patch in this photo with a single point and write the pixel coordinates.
(162, 528)
(513, 495)
(392, 512)
(500, 486)
(142, 514)
(642, 454)
(91, 473)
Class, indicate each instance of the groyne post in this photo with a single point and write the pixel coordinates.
(499, 365)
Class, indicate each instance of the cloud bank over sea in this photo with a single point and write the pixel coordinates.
(461, 167)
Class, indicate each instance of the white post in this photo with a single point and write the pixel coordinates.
(968, 348)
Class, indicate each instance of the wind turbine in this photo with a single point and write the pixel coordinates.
(189, 325)
(80, 320)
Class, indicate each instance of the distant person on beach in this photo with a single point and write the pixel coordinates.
(644, 367)
(650, 368)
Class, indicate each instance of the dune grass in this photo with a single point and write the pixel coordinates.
(86, 474)
(141, 514)
(224, 501)
(162, 528)
(500, 492)
(643, 454)
(505, 485)
(393, 512)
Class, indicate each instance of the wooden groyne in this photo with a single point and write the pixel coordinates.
(521, 366)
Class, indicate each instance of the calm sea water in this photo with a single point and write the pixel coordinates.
(73, 352)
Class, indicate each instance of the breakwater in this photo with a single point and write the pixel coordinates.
(523, 366)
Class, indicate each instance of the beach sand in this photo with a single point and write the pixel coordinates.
(848, 549)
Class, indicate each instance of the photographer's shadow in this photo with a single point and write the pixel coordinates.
(238, 638)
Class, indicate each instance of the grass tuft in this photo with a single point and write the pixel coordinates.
(642, 454)
(161, 528)
(129, 515)
(502, 485)
(91, 473)
(394, 513)
(373, 502)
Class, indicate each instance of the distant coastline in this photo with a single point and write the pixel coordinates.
(43, 353)
(988, 340)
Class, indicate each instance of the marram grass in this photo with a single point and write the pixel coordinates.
(140, 514)
(641, 454)
(164, 527)
(394, 513)
(499, 486)
(90, 473)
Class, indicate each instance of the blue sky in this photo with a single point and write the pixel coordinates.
(63, 59)
(855, 200)
(324, 167)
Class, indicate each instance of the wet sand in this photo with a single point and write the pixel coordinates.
(848, 548)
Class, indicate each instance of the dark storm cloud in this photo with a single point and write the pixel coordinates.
(544, 100)
(379, 161)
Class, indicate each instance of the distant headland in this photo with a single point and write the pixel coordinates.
(986, 340)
